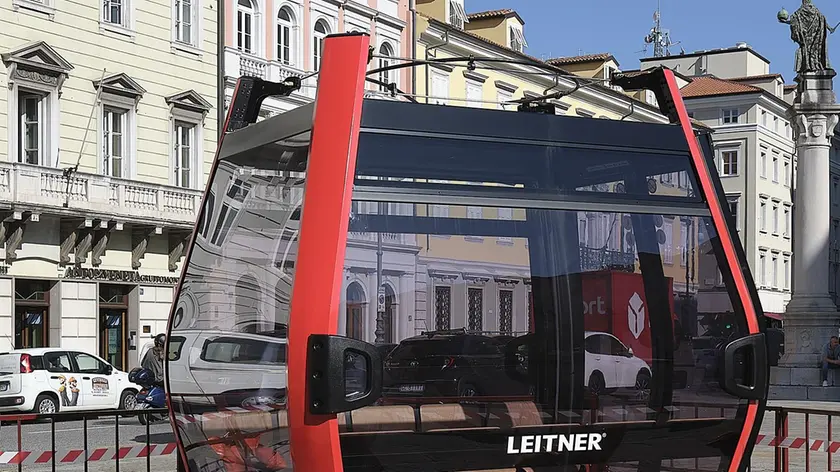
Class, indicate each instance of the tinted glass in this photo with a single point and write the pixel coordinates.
(596, 308)
(228, 334)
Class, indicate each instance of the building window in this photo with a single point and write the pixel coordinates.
(475, 309)
(184, 154)
(787, 173)
(764, 118)
(733, 208)
(235, 195)
(386, 52)
(245, 26)
(113, 12)
(506, 311)
(775, 218)
(443, 307)
(184, 21)
(762, 268)
(320, 32)
(775, 167)
(474, 212)
(188, 110)
(730, 116)
(774, 263)
(763, 163)
(787, 221)
(786, 271)
(32, 125)
(457, 14)
(507, 215)
(762, 216)
(114, 142)
(502, 97)
(667, 249)
(517, 39)
(440, 88)
(285, 36)
(775, 125)
(474, 94)
(683, 243)
(729, 163)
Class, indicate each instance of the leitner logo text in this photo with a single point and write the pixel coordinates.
(555, 443)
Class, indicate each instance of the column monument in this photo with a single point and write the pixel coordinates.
(811, 317)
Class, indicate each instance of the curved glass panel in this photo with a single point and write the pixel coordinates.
(228, 341)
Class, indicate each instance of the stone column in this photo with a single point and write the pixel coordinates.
(811, 317)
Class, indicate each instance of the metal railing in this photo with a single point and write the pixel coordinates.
(86, 455)
(805, 444)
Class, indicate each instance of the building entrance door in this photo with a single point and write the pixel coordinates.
(112, 335)
(31, 327)
(32, 310)
(113, 324)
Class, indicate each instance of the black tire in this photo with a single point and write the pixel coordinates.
(597, 385)
(143, 418)
(128, 400)
(642, 386)
(43, 402)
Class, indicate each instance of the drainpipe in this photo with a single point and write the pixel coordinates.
(444, 43)
(412, 9)
(220, 62)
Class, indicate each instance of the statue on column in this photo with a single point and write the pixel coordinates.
(808, 28)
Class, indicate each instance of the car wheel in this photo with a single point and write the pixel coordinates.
(643, 385)
(46, 404)
(128, 400)
(467, 390)
(597, 385)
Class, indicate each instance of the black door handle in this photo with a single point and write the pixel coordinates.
(85, 378)
(54, 377)
(756, 387)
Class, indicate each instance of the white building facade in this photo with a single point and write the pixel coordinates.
(107, 130)
(732, 91)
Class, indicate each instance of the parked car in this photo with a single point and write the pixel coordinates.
(48, 380)
(610, 364)
(449, 363)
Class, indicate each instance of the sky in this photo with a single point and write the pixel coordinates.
(556, 28)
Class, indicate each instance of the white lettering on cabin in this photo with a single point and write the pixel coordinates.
(554, 443)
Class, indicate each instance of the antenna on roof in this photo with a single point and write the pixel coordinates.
(658, 37)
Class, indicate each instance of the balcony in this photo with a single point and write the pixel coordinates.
(48, 190)
(238, 63)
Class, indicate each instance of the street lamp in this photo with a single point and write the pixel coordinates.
(380, 295)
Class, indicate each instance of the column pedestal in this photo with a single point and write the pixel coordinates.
(811, 317)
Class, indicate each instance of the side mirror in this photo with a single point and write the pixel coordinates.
(109, 369)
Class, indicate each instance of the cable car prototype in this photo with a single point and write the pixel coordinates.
(385, 285)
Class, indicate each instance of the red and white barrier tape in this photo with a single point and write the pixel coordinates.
(78, 455)
(798, 443)
(184, 420)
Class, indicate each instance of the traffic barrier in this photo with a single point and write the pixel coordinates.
(75, 456)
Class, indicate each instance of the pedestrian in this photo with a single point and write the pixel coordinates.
(153, 360)
(831, 358)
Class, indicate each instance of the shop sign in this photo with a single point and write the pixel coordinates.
(112, 275)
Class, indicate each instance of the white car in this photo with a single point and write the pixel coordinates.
(49, 380)
(611, 365)
(214, 367)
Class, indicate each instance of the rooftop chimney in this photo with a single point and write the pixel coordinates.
(741, 45)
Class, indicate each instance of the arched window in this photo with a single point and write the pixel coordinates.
(245, 25)
(355, 311)
(285, 36)
(321, 31)
(386, 77)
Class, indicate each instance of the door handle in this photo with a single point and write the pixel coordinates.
(54, 377)
(85, 378)
(756, 389)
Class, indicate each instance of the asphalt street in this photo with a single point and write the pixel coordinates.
(36, 437)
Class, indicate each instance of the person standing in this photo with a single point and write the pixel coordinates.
(153, 360)
(831, 358)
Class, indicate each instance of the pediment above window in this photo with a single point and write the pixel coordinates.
(36, 63)
(189, 99)
(188, 105)
(120, 85)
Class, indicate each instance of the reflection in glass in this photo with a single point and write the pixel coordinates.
(230, 331)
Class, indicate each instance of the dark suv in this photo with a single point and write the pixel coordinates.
(449, 363)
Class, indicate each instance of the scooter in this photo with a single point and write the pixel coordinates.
(151, 395)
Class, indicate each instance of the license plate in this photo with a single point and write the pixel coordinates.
(412, 388)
